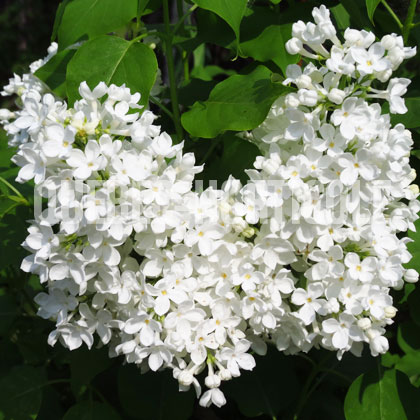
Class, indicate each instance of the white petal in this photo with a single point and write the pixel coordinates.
(155, 361)
(162, 305)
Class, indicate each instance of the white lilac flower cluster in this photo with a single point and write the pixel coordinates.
(302, 256)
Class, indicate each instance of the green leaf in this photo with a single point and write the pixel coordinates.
(194, 90)
(410, 365)
(413, 303)
(53, 73)
(389, 360)
(112, 60)
(91, 18)
(414, 248)
(270, 387)
(239, 103)
(21, 392)
(371, 6)
(8, 169)
(408, 336)
(261, 47)
(141, 6)
(382, 395)
(357, 11)
(212, 29)
(341, 16)
(231, 157)
(264, 35)
(91, 410)
(207, 73)
(85, 364)
(58, 17)
(231, 11)
(410, 119)
(153, 395)
(13, 228)
(145, 7)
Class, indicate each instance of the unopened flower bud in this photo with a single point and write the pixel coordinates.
(395, 56)
(383, 76)
(388, 42)
(336, 96)
(308, 97)
(352, 36)
(239, 224)
(212, 381)
(269, 166)
(364, 323)
(371, 333)
(249, 232)
(185, 378)
(304, 82)
(298, 28)
(292, 101)
(390, 312)
(6, 115)
(225, 374)
(328, 29)
(411, 276)
(414, 188)
(294, 46)
(379, 344)
(232, 186)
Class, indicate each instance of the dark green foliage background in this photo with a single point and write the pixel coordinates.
(228, 58)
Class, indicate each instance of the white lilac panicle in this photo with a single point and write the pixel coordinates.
(303, 256)
(20, 85)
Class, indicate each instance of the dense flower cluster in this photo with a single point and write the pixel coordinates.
(302, 256)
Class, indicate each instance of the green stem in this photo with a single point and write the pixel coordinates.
(180, 25)
(392, 13)
(57, 381)
(30, 302)
(8, 210)
(336, 373)
(305, 391)
(210, 150)
(138, 38)
(182, 19)
(322, 377)
(138, 20)
(171, 72)
(98, 393)
(180, 8)
(186, 65)
(54, 381)
(8, 184)
(162, 107)
(408, 24)
(307, 358)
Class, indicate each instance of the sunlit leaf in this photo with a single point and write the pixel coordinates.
(239, 103)
(91, 18)
(112, 60)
